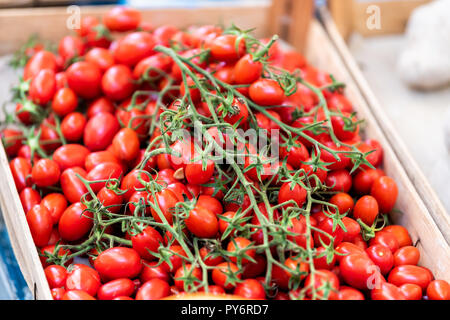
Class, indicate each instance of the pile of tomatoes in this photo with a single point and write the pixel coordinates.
(122, 207)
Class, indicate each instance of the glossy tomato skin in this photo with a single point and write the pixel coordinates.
(84, 78)
(339, 180)
(72, 126)
(43, 87)
(99, 105)
(224, 48)
(118, 262)
(146, 242)
(219, 275)
(366, 209)
(74, 223)
(110, 199)
(122, 19)
(357, 269)
(117, 82)
(151, 270)
(288, 191)
(438, 290)
(400, 233)
(84, 278)
(40, 223)
(406, 255)
(73, 188)
(77, 295)
(29, 198)
(202, 222)
(364, 179)
(45, 173)
(100, 131)
(266, 92)
(385, 239)
(70, 47)
(410, 274)
(246, 70)
(335, 232)
(195, 174)
(349, 293)
(116, 288)
(131, 182)
(39, 61)
(56, 204)
(70, 155)
(250, 289)
(57, 293)
(153, 289)
(322, 277)
(411, 291)
(21, 170)
(64, 102)
(134, 47)
(182, 273)
(103, 171)
(387, 291)
(385, 191)
(382, 257)
(126, 144)
(166, 200)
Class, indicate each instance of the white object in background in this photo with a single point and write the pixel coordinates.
(425, 61)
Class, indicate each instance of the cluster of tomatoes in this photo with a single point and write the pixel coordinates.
(102, 175)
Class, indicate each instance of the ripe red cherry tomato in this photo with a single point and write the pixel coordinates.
(385, 239)
(134, 47)
(385, 191)
(246, 70)
(39, 61)
(400, 233)
(103, 58)
(236, 247)
(117, 82)
(70, 155)
(116, 288)
(73, 188)
(84, 78)
(381, 256)
(224, 48)
(357, 270)
(182, 272)
(45, 173)
(250, 289)
(438, 290)
(202, 222)
(43, 87)
(84, 278)
(166, 200)
(56, 276)
(77, 295)
(221, 273)
(366, 209)
(339, 180)
(322, 278)
(406, 255)
(118, 262)
(146, 242)
(343, 201)
(100, 131)
(411, 291)
(387, 291)
(55, 203)
(266, 92)
(72, 126)
(153, 289)
(364, 179)
(29, 198)
(410, 274)
(40, 223)
(21, 171)
(288, 191)
(122, 19)
(126, 144)
(349, 293)
(70, 47)
(75, 222)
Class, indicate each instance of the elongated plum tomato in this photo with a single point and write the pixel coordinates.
(153, 289)
(39, 61)
(224, 48)
(73, 188)
(438, 290)
(117, 82)
(75, 222)
(147, 241)
(45, 173)
(64, 102)
(116, 288)
(246, 70)
(72, 126)
(288, 191)
(82, 277)
(29, 198)
(266, 92)
(118, 262)
(84, 78)
(55, 203)
(385, 191)
(410, 274)
(40, 224)
(70, 155)
(357, 269)
(387, 291)
(366, 209)
(166, 200)
(126, 144)
(56, 276)
(100, 131)
(122, 19)
(134, 47)
(43, 87)
(21, 170)
(202, 222)
(77, 295)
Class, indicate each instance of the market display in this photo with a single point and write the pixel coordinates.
(163, 161)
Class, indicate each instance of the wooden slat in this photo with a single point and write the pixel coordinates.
(300, 18)
(352, 15)
(415, 214)
(19, 233)
(50, 23)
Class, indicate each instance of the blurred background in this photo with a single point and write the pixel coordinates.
(403, 49)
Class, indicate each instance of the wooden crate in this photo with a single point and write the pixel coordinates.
(354, 15)
(421, 211)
